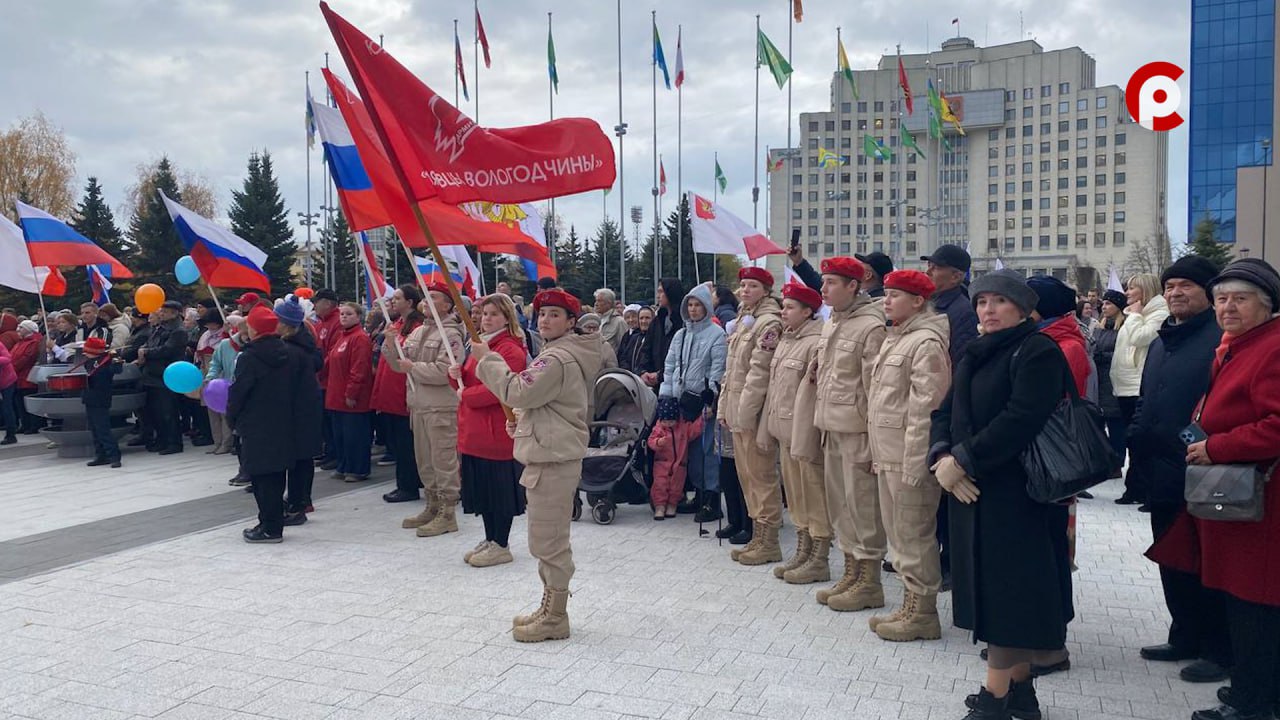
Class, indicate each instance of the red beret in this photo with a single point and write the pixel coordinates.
(760, 275)
(912, 281)
(802, 293)
(263, 321)
(441, 288)
(845, 267)
(557, 298)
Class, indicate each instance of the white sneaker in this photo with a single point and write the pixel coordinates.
(476, 550)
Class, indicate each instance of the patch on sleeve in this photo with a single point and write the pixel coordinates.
(527, 377)
(769, 340)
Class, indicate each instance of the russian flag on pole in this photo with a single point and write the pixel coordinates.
(376, 285)
(461, 268)
(355, 189)
(16, 270)
(99, 284)
(225, 259)
(51, 242)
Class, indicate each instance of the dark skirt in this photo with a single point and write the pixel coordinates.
(491, 486)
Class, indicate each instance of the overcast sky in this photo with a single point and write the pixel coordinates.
(208, 81)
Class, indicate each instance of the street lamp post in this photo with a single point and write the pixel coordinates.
(307, 220)
(1266, 163)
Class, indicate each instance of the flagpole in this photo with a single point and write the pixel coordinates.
(755, 153)
(839, 147)
(310, 220)
(902, 172)
(216, 302)
(680, 158)
(386, 313)
(790, 31)
(657, 241)
(455, 69)
(329, 251)
(622, 195)
(475, 78)
(551, 110)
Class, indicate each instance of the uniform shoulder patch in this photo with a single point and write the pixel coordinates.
(769, 339)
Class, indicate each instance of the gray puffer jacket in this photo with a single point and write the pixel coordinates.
(695, 361)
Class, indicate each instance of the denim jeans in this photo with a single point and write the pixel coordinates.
(8, 411)
(353, 438)
(704, 462)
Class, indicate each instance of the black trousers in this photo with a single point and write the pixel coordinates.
(300, 479)
(199, 417)
(162, 414)
(497, 527)
(1255, 642)
(104, 442)
(29, 423)
(1199, 613)
(1134, 484)
(268, 490)
(735, 504)
(399, 439)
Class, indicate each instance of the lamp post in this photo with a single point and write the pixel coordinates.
(307, 220)
(1266, 163)
(330, 252)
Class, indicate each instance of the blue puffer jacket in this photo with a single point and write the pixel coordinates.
(695, 361)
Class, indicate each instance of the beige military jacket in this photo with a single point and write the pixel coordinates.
(848, 348)
(549, 397)
(792, 384)
(909, 379)
(430, 391)
(746, 369)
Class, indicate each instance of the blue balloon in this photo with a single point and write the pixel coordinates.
(186, 271)
(183, 377)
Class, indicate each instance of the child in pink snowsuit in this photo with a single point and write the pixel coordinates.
(669, 440)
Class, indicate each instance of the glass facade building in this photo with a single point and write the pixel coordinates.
(1232, 80)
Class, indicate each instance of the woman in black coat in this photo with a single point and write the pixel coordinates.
(305, 360)
(1011, 579)
(664, 327)
(1104, 349)
(260, 410)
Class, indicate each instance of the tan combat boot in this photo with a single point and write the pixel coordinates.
(427, 515)
(804, 545)
(876, 621)
(846, 581)
(445, 521)
(552, 624)
(522, 620)
(918, 622)
(751, 545)
(767, 551)
(466, 557)
(816, 567)
(866, 592)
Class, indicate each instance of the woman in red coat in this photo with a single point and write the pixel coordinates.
(1240, 413)
(348, 388)
(389, 394)
(25, 353)
(490, 474)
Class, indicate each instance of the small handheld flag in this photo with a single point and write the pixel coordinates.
(99, 284)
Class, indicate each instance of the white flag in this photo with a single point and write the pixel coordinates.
(1113, 281)
(720, 232)
(15, 263)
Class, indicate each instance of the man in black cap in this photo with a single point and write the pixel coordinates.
(947, 267)
(1174, 379)
(167, 344)
(879, 265)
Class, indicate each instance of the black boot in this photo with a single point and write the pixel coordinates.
(1022, 701)
(987, 707)
(9, 438)
(687, 506)
(710, 510)
(744, 536)
(735, 513)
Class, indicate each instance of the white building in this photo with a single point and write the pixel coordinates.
(1051, 175)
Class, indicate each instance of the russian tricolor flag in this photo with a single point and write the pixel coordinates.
(376, 286)
(355, 189)
(99, 284)
(51, 242)
(225, 259)
(16, 270)
(460, 267)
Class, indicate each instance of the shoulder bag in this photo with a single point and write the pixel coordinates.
(1231, 493)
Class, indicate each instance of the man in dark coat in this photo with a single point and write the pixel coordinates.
(260, 410)
(1173, 381)
(101, 367)
(305, 360)
(166, 345)
(879, 266)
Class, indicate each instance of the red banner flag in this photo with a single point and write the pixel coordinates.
(906, 87)
(482, 38)
(442, 153)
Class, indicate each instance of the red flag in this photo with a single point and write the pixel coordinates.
(906, 86)
(662, 178)
(458, 66)
(484, 39)
(438, 151)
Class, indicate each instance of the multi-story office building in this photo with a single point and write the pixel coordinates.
(1233, 120)
(1051, 174)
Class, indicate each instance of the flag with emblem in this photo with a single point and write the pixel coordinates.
(721, 180)
(909, 141)
(873, 148)
(718, 231)
(767, 54)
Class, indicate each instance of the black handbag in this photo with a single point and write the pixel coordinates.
(1233, 493)
(1071, 454)
(691, 403)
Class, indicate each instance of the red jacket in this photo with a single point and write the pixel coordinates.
(350, 372)
(8, 376)
(389, 385)
(482, 425)
(25, 354)
(1066, 332)
(326, 331)
(8, 330)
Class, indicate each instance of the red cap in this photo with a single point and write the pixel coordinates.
(844, 267)
(556, 297)
(94, 346)
(249, 298)
(263, 321)
(912, 281)
(802, 293)
(760, 275)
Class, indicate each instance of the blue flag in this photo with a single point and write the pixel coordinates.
(659, 58)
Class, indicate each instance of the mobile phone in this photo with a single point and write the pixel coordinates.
(795, 238)
(1193, 434)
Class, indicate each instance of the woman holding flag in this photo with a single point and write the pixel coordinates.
(390, 393)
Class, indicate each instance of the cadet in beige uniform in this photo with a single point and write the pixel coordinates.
(433, 414)
(910, 378)
(848, 348)
(746, 382)
(550, 403)
(789, 419)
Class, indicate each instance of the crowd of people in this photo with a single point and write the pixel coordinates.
(884, 411)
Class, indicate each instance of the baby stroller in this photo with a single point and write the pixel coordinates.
(613, 469)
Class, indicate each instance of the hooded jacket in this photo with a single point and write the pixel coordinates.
(260, 406)
(25, 354)
(431, 391)
(748, 357)
(1065, 331)
(696, 359)
(8, 330)
(1140, 329)
(549, 398)
(349, 372)
(846, 353)
(788, 409)
(308, 408)
(909, 379)
(726, 314)
(664, 326)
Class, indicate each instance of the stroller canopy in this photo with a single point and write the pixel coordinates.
(621, 396)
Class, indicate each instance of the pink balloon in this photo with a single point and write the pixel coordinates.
(215, 395)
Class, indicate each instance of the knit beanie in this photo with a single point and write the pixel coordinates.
(263, 321)
(1256, 272)
(1191, 267)
(290, 312)
(1056, 299)
(668, 408)
(1115, 297)
(1008, 283)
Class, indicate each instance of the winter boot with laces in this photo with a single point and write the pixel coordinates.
(918, 621)
(522, 620)
(1022, 701)
(757, 535)
(866, 592)
(552, 624)
(845, 582)
(428, 514)
(767, 550)
(445, 521)
(816, 567)
(804, 545)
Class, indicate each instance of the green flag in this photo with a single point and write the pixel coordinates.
(935, 100)
(845, 70)
(935, 125)
(721, 180)
(767, 54)
(551, 62)
(909, 141)
(875, 149)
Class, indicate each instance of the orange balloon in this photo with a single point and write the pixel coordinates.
(148, 298)
(304, 292)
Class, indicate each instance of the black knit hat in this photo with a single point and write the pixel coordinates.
(1115, 297)
(1253, 271)
(1191, 267)
(1056, 299)
(668, 408)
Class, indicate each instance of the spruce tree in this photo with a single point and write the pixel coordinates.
(258, 215)
(570, 261)
(94, 220)
(1204, 242)
(152, 234)
(337, 236)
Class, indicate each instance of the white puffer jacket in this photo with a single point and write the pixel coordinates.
(1134, 338)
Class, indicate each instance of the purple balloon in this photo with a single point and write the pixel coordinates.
(215, 395)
